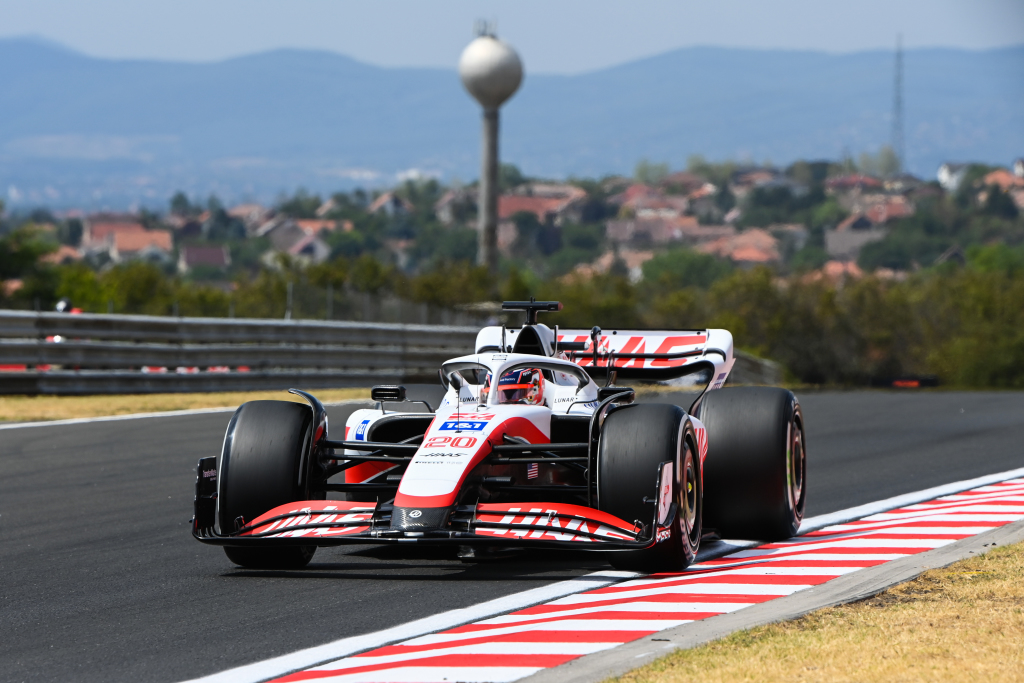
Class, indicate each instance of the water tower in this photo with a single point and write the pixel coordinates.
(491, 72)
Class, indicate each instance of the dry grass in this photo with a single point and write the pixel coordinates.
(961, 623)
(38, 408)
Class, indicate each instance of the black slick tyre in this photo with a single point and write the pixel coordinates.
(755, 474)
(635, 441)
(259, 469)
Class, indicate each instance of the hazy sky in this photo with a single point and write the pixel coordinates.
(554, 36)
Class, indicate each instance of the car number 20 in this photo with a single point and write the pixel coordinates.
(460, 442)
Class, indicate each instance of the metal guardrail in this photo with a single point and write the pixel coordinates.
(110, 354)
(145, 328)
(86, 382)
(107, 353)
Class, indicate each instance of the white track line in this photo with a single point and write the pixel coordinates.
(142, 416)
(850, 514)
(310, 657)
(303, 659)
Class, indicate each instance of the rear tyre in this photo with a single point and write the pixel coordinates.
(635, 441)
(756, 466)
(259, 469)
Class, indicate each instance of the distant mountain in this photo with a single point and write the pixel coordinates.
(76, 130)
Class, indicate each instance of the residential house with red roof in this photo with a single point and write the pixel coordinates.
(853, 181)
(849, 237)
(148, 245)
(191, 257)
(1003, 179)
(391, 205)
(301, 243)
(552, 204)
(63, 255)
(123, 239)
(753, 246)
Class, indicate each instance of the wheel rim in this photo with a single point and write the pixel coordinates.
(796, 464)
(690, 499)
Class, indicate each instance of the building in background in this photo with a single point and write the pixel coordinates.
(191, 257)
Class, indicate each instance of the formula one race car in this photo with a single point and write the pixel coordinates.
(525, 450)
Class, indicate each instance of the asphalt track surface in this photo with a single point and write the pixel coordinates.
(101, 581)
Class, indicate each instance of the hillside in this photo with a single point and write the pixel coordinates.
(83, 131)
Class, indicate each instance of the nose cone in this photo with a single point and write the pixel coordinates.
(419, 519)
(491, 71)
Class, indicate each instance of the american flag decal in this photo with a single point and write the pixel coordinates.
(532, 470)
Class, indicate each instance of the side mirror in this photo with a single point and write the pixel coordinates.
(388, 392)
(625, 394)
(456, 381)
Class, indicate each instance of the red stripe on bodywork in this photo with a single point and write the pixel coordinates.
(365, 471)
(675, 342)
(632, 345)
(513, 426)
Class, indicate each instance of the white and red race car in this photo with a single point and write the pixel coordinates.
(524, 450)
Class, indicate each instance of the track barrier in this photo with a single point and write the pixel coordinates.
(56, 353)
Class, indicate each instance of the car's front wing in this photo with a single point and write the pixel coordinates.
(331, 522)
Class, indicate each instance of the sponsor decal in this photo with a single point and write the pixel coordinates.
(561, 526)
(663, 535)
(209, 474)
(441, 455)
(329, 514)
(361, 430)
(587, 404)
(463, 425)
(415, 514)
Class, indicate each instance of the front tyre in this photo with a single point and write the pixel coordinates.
(635, 441)
(756, 467)
(260, 468)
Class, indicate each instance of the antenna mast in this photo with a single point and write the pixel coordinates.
(897, 107)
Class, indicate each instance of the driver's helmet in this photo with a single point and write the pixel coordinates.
(525, 385)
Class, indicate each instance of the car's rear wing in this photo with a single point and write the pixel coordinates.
(649, 354)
